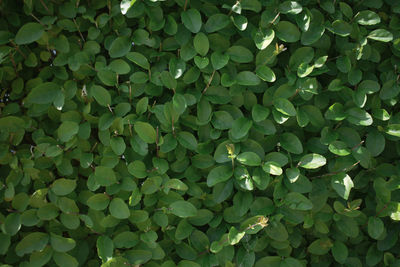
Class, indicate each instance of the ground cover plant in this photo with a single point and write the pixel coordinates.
(199, 133)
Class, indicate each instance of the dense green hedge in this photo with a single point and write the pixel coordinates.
(199, 133)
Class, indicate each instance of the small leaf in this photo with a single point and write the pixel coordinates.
(67, 130)
(247, 78)
(201, 44)
(101, 95)
(192, 20)
(183, 209)
(249, 158)
(63, 187)
(284, 106)
(120, 47)
(266, 73)
(287, 32)
(145, 131)
(291, 143)
(119, 209)
(312, 161)
(219, 174)
(138, 59)
(342, 184)
(375, 227)
(381, 35)
(367, 17)
(216, 22)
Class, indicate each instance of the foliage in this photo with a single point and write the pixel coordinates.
(199, 133)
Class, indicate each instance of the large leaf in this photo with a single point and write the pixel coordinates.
(29, 33)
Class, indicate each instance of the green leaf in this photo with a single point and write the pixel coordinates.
(187, 140)
(272, 167)
(29, 33)
(287, 32)
(392, 129)
(291, 143)
(67, 130)
(168, 80)
(265, 73)
(63, 259)
(126, 5)
(216, 22)
(320, 246)
(290, 7)
(201, 44)
(101, 95)
(240, 54)
(219, 174)
(284, 106)
(32, 242)
(63, 187)
(249, 158)
(118, 145)
(339, 252)
(119, 209)
(219, 60)
(375, 227)
(339, 148)
(61, 244)
(312, 161)
(98, 201)
(381, 35)
(44, 93)
(247, 78)
(313, 34)
(12, 224)
(342, 184)
(138, 59)
(11, 123)
(145, 131)
(263, 38)
(183, 209)
(105, 176)
(341, 28)
(259, 113)
(367, 17)
(192, 20)
(375, 143)
(235, 236)
(105, 248)
(297, 201)
(120, 47)
(240, 127)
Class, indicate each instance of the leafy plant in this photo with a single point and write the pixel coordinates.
(199, 133)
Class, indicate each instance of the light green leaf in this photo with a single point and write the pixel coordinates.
(342, 184)
(381, 35)
(249, 158)
(312, 161)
